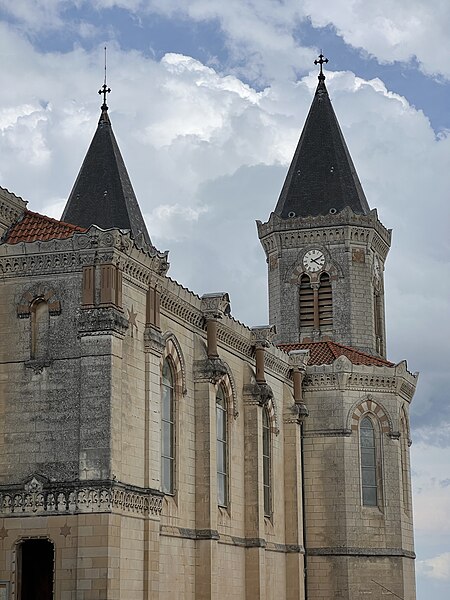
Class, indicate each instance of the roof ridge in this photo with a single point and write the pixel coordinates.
(332, 347)
(52, 219)
(357, 350)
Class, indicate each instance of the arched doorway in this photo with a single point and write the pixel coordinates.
(35, 562)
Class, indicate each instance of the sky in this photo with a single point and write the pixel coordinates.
(208, 101)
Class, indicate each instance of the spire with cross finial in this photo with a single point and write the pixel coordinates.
(321, 61)
(104, 90)
(322, 179)
(102, 194)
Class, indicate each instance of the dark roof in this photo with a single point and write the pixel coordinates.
(102, 194)
(33, 226)
(322, 177)
(325, 353)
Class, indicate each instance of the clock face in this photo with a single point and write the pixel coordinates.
(313, 260)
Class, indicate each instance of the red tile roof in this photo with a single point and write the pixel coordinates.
(33, 226)
(324, 353)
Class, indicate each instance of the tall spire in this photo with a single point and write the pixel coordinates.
(322, 178)
(102, 194)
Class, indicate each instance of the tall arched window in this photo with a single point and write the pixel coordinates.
(167, 429)
(40, 329)
(325, 302)
(222, 447)
(267, 463)
(368, 463)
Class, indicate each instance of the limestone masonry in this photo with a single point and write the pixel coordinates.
(153, 447)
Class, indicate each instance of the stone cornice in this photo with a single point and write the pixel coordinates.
(183, 304)
(231, 540)
(343, 375)
(345, 227)
(354, 551)
(40, 497)
(94, 246)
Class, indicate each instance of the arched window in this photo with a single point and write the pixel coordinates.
(325, 302)
(306, 303)
(222, 447)
(167, 429)
(40, 329)
(368, 463)
(267, 463)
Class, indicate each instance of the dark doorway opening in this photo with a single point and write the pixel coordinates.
(36, 564)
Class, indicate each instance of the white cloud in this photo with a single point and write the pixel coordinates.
(436, 568)
(391, 30)
(263, 37)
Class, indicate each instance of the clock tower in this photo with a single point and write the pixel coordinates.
(325, 247)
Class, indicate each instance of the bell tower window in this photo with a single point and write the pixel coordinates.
(306, 303)
(325, 301)
(315, 304)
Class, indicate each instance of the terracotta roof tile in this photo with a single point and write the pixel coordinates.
(33, 226)
(324, 353)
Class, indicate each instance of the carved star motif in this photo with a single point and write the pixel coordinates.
(132, 319)
(65, 530)
(3, 533)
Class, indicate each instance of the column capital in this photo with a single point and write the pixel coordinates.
(215, 305)
(263, 335)
(298, 359)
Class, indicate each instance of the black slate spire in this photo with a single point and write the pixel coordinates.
(322, 178)
(102, 194)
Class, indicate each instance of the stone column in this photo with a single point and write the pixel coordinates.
(256, 394)
(153, 349)
(293, 484)
(208, 372)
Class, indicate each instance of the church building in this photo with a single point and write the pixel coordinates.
(154, 447)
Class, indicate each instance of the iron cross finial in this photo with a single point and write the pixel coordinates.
(104, 89)
(322, 60)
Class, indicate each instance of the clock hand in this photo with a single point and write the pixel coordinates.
(315, 260)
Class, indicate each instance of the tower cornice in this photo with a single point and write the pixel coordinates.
(344, 227)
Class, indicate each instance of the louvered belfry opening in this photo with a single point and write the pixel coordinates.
(306, 303)
(325, 302)
(316, 305)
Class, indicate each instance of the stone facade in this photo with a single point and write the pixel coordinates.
(81, 432)
(153, 447)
